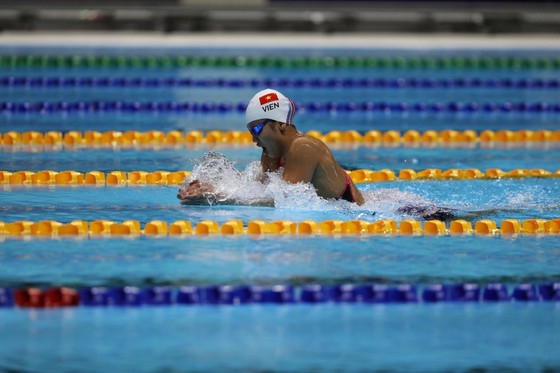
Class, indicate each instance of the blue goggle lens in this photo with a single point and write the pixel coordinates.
(257, 129)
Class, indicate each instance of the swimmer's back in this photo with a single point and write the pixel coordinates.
(326, 175)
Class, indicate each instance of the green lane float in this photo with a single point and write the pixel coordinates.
(229, 61)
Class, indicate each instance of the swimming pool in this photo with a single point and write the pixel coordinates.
(335, 89)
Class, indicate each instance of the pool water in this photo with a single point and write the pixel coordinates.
(501, 336)
(285, 339)
(285, 260)
(351, 157)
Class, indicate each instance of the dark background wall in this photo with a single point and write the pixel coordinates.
(325, 16)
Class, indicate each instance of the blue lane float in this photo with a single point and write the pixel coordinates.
(48, 107)
(132, 296)
(396, 83)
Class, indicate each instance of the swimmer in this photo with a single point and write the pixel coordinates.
(301, 158)
(297, 157)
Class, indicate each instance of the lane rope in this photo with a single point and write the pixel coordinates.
(50, 107)
(370, 294)
(395, 83)
(196, 61)
(75, 138)
(121, 178)
(408, 227)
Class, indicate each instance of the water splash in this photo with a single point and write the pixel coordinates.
(246, 188)
(229, 184)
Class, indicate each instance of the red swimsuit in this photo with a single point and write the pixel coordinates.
(347, 194)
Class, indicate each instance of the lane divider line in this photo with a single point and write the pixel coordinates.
(167, 107)
(88, 82)
(241, 61)
(312, 294)
(408, 227)
(121, 178)
(132, 138)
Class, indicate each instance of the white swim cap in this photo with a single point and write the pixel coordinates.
(270, 104)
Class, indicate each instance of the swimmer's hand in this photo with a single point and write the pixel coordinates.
(202, 193)
(197, 193)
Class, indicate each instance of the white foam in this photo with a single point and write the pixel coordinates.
(245, 188)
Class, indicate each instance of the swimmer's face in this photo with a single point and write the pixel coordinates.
(263, 134)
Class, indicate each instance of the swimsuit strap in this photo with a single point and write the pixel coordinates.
(347, 194)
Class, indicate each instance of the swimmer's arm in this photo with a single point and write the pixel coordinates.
(268, 164)
(198, 193)
(263, 177)
(264, 162)
(213, 201)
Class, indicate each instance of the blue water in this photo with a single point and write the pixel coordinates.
(322, 121)
(245, 94)
(443, 337)
(473, 199)
(276, 260)
(350, 156)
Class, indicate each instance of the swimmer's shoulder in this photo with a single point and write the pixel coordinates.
(310, 139)
(306, 147)
(314, 143)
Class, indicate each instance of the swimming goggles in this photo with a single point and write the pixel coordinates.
(257, 129)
